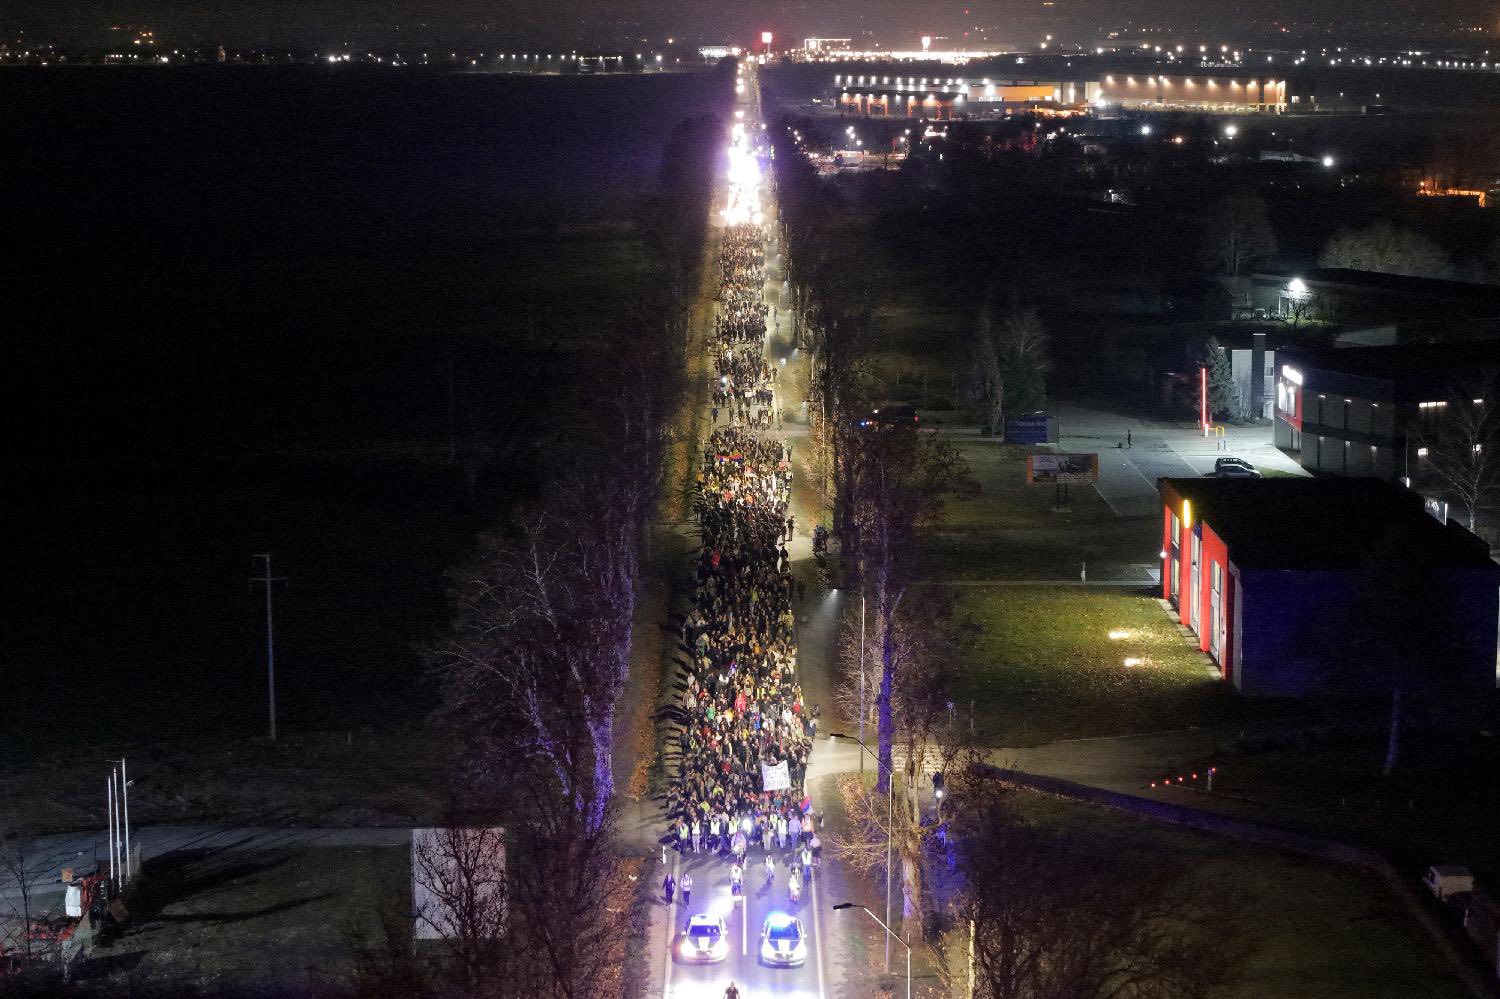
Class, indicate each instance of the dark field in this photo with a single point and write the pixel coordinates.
(335, 315)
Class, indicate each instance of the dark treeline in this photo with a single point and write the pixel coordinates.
(885, 485)
(532, 666)
(537, 657)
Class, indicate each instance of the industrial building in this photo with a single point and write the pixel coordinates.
(1274, 578)
(913, 96)
(1362, 410)
(1339, 295)
(1177, 92)
(923, 97)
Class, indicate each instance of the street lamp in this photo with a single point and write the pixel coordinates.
(890, 822)
(888, 934)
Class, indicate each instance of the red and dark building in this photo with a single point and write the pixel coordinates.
(1275, 576)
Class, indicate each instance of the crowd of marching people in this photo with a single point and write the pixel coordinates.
(742, 710)
(744, 391)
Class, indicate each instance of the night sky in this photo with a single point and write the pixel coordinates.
(381, 22)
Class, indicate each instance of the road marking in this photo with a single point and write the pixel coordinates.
(818, 935)
(666, 988)
(744, 922)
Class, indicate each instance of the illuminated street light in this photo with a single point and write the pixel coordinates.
(889, 933)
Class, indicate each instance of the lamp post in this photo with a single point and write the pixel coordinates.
(888, 934)
(890, 822)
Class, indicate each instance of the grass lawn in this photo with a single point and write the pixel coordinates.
(1011, 530)
(915, 350)
(1318, 930)
(1043, 666)
(283, 919)
(1440, 805)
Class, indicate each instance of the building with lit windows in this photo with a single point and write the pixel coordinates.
(947, 97)
(1362, 410)
(1169, 91)
(1268, 573)
(919, 96)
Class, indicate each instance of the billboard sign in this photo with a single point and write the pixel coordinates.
(1033, 428)
(1061, 469)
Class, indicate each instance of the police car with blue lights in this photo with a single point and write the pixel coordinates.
(705, 941)
(782, 941)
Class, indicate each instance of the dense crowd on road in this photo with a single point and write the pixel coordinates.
(742, 310)
(745, 389)
(742, 707)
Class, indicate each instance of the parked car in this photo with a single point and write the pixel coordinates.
(892, 414)
(1444, 880)
(705, 941)
(1234, 468)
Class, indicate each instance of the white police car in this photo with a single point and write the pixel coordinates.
(705, 941)
(782, 941)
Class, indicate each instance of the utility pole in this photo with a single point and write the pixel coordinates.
(125, 815)
(109, 791)
(267, 580)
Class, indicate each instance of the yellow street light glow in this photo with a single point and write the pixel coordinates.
(1187, 514)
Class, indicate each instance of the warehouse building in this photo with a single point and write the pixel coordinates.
(921, 96)
(1276, 577)
(1174, 92)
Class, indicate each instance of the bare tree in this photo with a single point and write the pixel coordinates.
(566, 882)
(1237, 234)
(459, 881)
(1023, 360)
(16, 876)
(1387, 249)
(1462, 438)
(898, 481)
(922, 716)
(1060, 913)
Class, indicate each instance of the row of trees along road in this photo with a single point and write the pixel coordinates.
(884, 486)
(1052, 917)
(534, 664)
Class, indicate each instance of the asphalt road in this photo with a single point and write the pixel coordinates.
(744, 920)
